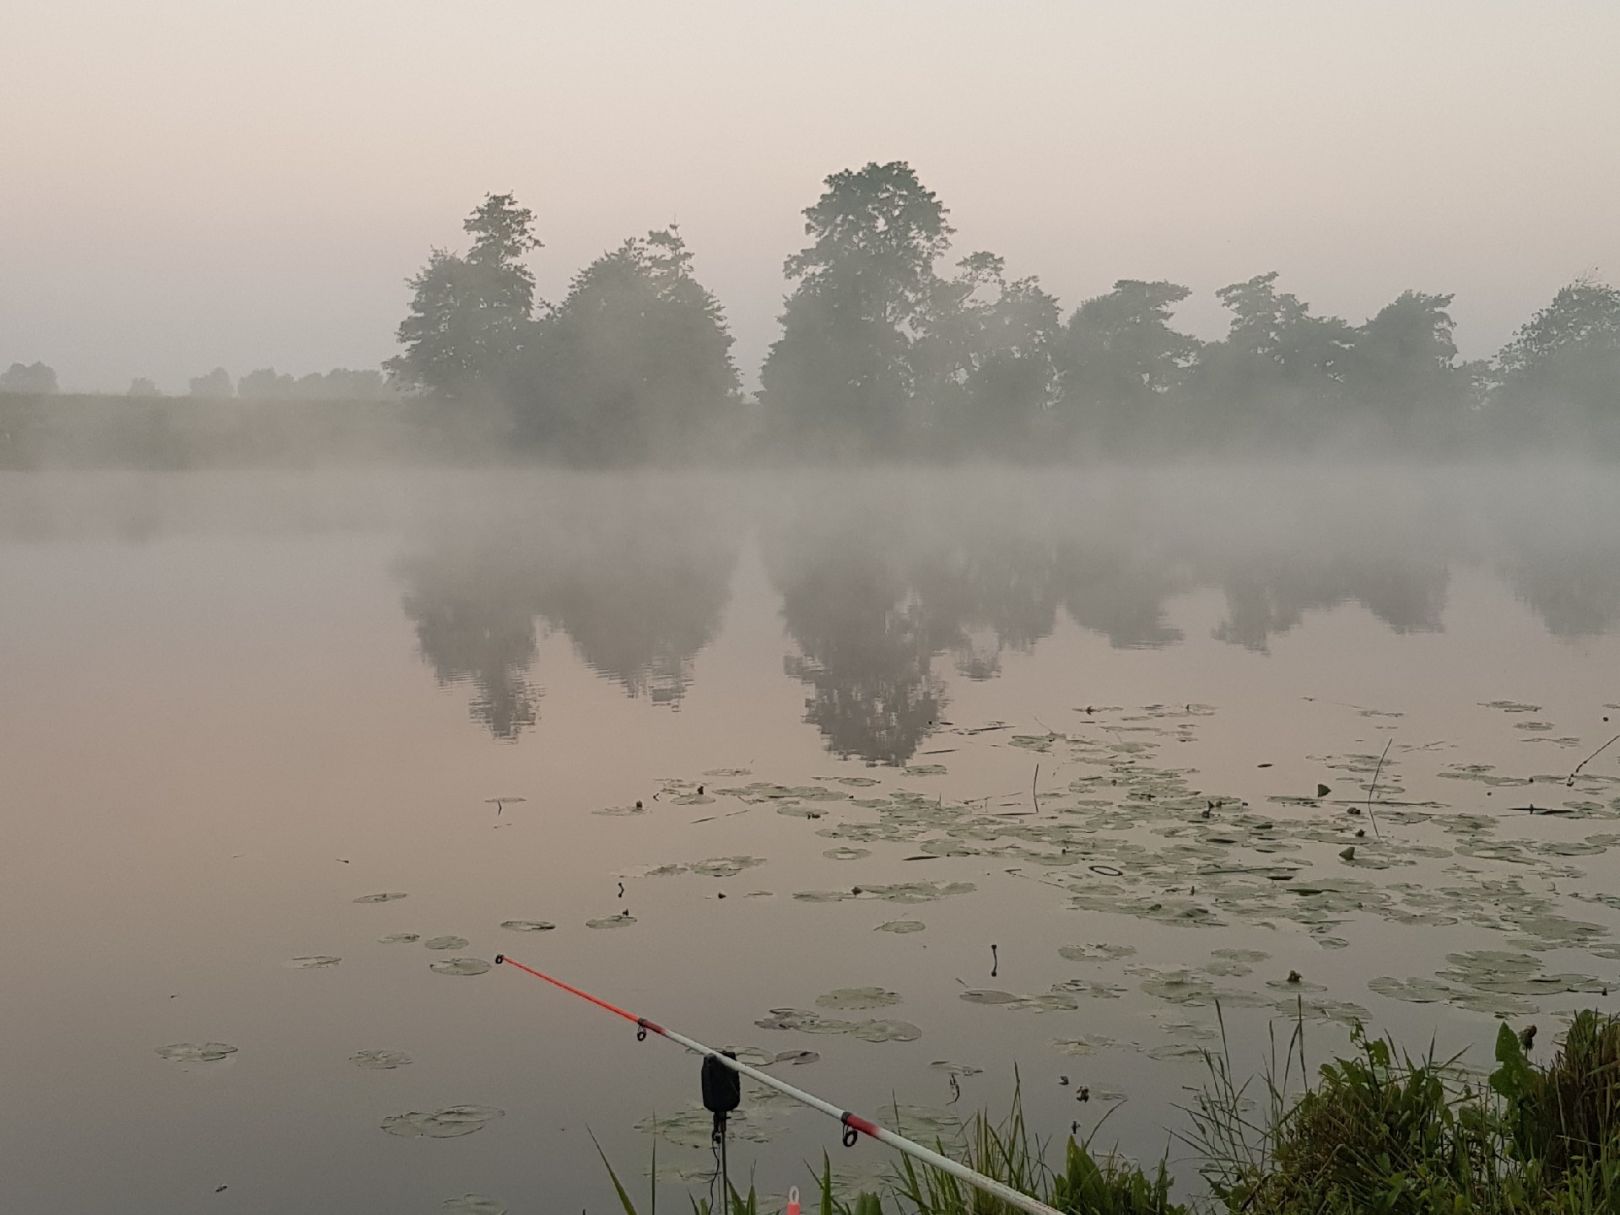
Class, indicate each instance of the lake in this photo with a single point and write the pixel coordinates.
(935, 774)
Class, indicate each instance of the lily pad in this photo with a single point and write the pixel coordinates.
(1096, 953)
(459, 966)
(380, 1060)
(853, 999)
(388, 896)
(445, 943)
(846, 854)
(449, 1123)
(901, 926)
(196, 1052)
(400, 938)
(620, 920)
(528, 925)
(1413, 991)
(317, 961)
(474, 1204)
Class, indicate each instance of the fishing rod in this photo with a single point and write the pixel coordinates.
(854, 1125)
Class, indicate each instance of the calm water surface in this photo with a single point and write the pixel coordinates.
(1083, 717)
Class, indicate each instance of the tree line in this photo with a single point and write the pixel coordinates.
(266, 384)
(888, 349)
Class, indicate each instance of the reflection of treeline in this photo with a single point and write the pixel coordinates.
(884, 353)
(637, 577)
(888, 584)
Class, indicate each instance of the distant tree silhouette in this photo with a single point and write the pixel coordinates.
(140, 386)
(1277, 378)
(634, 365)
(981, 363)
(1564, 364)
(34, 379)
(838, 380)
(1119, 360)
(217, 383)
(1403, 369)
(469, 314)
(339, 384)
(266, 384)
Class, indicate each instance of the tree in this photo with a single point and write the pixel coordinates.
(32, 379)
(982, 361)
(1403, 367)
(470, 314)
(217, 383)
(140, 386)
(1119, 357)
(1567, 357)
(837, 378)
(266, 384)
(1276, 376)
(635, 364)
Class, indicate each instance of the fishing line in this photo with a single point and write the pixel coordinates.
(854, 1125)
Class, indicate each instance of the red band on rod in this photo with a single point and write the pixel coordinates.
(583, 995)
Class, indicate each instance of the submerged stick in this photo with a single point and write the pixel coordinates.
(1032, 782)
(1374, 789)
(1571, 780)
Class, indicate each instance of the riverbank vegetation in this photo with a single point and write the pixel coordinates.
(1380, 1130)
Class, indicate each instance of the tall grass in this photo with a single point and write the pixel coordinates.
(1379, 1131)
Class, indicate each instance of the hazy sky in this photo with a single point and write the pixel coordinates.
(185, 183)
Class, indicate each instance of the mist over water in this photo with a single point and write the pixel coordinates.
(236, 703)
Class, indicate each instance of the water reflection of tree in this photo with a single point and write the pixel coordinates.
(637, 576)
(1269, 595)
(470, 605)
(876, 587)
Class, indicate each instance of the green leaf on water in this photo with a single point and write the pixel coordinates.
(380, 1060)
(459, 966)
(851, 999)
(196, 1052)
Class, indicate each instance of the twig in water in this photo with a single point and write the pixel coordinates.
(1571, 780)
(1374, 789)
(1032, 781)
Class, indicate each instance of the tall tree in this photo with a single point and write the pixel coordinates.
(1403, 367)
(635, 364)
(837, 378)
(1566, 359)
(469, 314)
(1277, 376)
(1119, 358)
(982, 361)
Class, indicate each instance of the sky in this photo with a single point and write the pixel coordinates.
(192, 183)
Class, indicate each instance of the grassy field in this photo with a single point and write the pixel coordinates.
(164, 433)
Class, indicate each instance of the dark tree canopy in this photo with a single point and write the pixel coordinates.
(982, 363)
(1565, 362)
(634, 365)
(838, 377)
(34, 379)
(469, 315)
(1120, 356)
